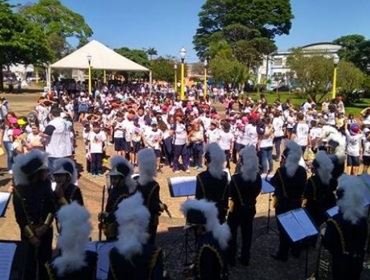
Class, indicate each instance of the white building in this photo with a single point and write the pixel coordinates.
(275, 67)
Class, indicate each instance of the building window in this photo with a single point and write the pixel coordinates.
(278, 61)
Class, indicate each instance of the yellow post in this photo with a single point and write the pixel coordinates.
(205, 82)
(182, 95)
(90, 90)
(104, 77)
(175, 88)
(334, 82)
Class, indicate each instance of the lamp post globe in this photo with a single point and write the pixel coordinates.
(182, 54)
(336, 59)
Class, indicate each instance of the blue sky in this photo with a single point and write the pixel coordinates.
(169, 25)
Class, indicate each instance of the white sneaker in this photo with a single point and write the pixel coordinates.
(10, 172)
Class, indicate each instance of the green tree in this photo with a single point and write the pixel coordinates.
(355, 49)
(228, 71)
(162, 69)
(314, 73)
(151, 52)
(59, 24)
(21, 41)
(138, 56)
(237, 20)
(350, 80)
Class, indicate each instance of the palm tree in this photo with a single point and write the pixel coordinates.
(151, 52)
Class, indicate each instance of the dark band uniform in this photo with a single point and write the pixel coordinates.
(87, 272)
(346, 242)
(150, 193)
(288, 196)
(147, 265)
(34, 206)
(215, 190)
(115, 196)
(319, 198)
(72, 193)
(243, 195)
(210, 262)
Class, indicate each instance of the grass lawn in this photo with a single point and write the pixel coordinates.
(298, 100)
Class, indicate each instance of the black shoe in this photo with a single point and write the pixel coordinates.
(279, 257)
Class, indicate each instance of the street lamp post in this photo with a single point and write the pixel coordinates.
(182, 56)
(89, 57)
(175, 83)
(336, 61)
(205, 78)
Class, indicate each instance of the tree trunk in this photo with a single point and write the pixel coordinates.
(1, 78)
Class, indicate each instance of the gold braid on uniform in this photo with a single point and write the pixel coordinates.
(238, 191)
(219, 258)
(28, 231)
(110, 228)
(50, 272)
(282, 184)
(314, 189)
(341, 236)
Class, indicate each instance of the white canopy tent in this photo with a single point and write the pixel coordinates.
(101, 57)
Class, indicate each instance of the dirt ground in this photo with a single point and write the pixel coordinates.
(170, 232)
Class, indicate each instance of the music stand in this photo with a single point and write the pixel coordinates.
(18, 261)
(299, 227)
(4, 201)
(267, 188)
(184, 186)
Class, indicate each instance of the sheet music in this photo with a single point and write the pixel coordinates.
(267, 187)
(183, 186)
(4, 198)
(305, 222)
(333, 211)
(291, 226)
(7, 251)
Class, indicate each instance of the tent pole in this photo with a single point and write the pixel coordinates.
(150, 82)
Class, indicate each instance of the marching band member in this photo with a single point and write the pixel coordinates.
(65, 176)
(73, 261)
(213, 238)
(289, 181)
(133, 257)
(34, 207)
(122, 186)
(346, 232)
(243, 190)
(318, 195)
(149, 188)
(336, 146)
(212, 183)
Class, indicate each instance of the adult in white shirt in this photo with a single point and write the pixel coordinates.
(265, 146)
(58, 137)
(301, 132)
(213, 133)
(278, 129)
(250, 133)
(354, 148)
(180, 137)
(226, 142)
